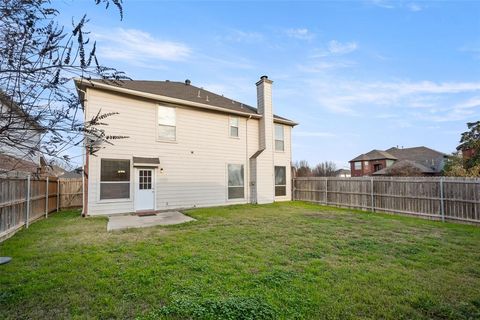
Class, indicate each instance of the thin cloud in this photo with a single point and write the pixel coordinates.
(336, 47)
(415, 7)
(134, 45)
(300, 33)
(474, 50)
(424, 100)
(243, 36)
(389, 4)
(318, 134)
(321, 66)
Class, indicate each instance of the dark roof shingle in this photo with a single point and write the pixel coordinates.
(374, 155)
(183, 91)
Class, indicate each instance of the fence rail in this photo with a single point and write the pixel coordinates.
(25, 200)
(433, 197)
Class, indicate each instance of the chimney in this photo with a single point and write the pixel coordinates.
(264, 162)
(265, 108)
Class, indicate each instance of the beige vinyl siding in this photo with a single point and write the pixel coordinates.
(194, 166)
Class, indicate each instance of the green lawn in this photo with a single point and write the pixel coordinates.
(286, 260)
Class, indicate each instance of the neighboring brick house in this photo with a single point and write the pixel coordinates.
(378, 162)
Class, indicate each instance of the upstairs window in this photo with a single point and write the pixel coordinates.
(279, 138)
(167, 129)
(358, 165)
(280, 181)
(235, 181)
(114, 179)
(234, 127)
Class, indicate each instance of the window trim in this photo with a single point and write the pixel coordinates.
(157, 124)
(244, 184)
(120, 200)
(280, 185)
(230, 127)
(275, 137)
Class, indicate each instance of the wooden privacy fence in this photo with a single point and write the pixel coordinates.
(433, 197)
(25, 200)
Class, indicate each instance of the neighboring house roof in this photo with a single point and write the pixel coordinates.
(8, 102)
(398, 165)
(179, 90)
(374, 155)
(74, 174)
(10, 163)
(342, 171)
(422, 155)
(57, 171)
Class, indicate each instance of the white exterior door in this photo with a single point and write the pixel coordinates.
(144, 189)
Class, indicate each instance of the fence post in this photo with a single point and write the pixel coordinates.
(58, 194)
(46, 199)
(371, 195)
(293, 189)
(27, 213)
(442, 201)
(326, 190)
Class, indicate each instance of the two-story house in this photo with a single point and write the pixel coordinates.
(186, 147)
(377, 162)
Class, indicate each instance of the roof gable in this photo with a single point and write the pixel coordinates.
(374, 155)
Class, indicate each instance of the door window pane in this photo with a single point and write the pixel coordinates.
(145, 179)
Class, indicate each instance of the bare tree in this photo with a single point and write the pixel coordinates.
(38, 60)
(302, 168)
(324, 169)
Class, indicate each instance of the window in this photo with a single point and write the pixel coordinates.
(166, 123)
(145, 179)
(280, 181)
(114, 179)
(390, 162)
(358, 165)
(279, 138)
(377, 167)
(234, 127)
(235, 181)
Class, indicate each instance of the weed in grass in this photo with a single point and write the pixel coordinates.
(232, 308)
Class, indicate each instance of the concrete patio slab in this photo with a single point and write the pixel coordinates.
(134, 221)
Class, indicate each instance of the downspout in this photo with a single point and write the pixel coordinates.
(85, 163)
(247, 161)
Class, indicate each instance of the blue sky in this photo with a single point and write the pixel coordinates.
(356, 75)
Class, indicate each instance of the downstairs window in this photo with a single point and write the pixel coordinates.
(280, 181)
(114, 179)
